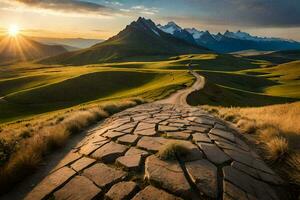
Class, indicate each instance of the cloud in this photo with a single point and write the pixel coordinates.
(260, 13)
(141, 9)
(75, 7)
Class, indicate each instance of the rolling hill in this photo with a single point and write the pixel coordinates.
(278, 57)
(140, 38)
(21, 48)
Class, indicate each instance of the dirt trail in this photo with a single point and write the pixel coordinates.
(179, 97)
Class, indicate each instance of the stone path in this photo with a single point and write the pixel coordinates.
(119, 160)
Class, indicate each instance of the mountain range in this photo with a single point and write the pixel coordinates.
(229, 41)
(22, 48)
(138, 39)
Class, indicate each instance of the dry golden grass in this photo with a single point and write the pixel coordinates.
(275, 129)
(277, 148)
(23, 145)
(171, 150)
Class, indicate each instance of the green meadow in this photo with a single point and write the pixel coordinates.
(28, 89)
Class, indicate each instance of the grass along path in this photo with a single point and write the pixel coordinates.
(274, 130)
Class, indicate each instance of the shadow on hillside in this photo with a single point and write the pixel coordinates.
(216, 95)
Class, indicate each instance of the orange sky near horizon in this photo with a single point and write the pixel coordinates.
(44, 22)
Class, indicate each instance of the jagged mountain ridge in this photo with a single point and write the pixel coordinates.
(233, 41)
(140, 38)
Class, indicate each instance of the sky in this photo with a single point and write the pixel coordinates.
(104, 18)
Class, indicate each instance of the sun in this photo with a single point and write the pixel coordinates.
(13, 30)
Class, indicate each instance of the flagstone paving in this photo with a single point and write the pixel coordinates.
(119, 160)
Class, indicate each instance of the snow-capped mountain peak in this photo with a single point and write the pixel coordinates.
(239, 35)
(170, 27)
(196, 33)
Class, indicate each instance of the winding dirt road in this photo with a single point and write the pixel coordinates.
(179, 97)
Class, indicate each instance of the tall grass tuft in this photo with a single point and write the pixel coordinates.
(171, 150)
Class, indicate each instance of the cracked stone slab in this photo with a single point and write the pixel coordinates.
(128, 139)
(248, 159)
(91, 147)
(109, 152)
(69, 158)
(121, 191)
(135, 151)
(79, 188)
(82, 163)
(198, 129)
(103, 175)
(151, 143)
(131, 162)
(214, 153)
(224, 134)
(50, 183)
(204, 176)
(152, 193)
(126, 127)
(258, 189)
(182, 135)
(168, 175)
(271, 178)
(233, 192)
(113, 134)
(164, 128)
(200, 137)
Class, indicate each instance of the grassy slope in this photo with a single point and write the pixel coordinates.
(287, 75)
(246, 82)
(38, 89)
(278, 57)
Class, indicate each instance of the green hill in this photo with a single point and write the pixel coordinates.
(37, 94)
(278, 57)
(21, 48)
(139, 39)
(287, 76)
